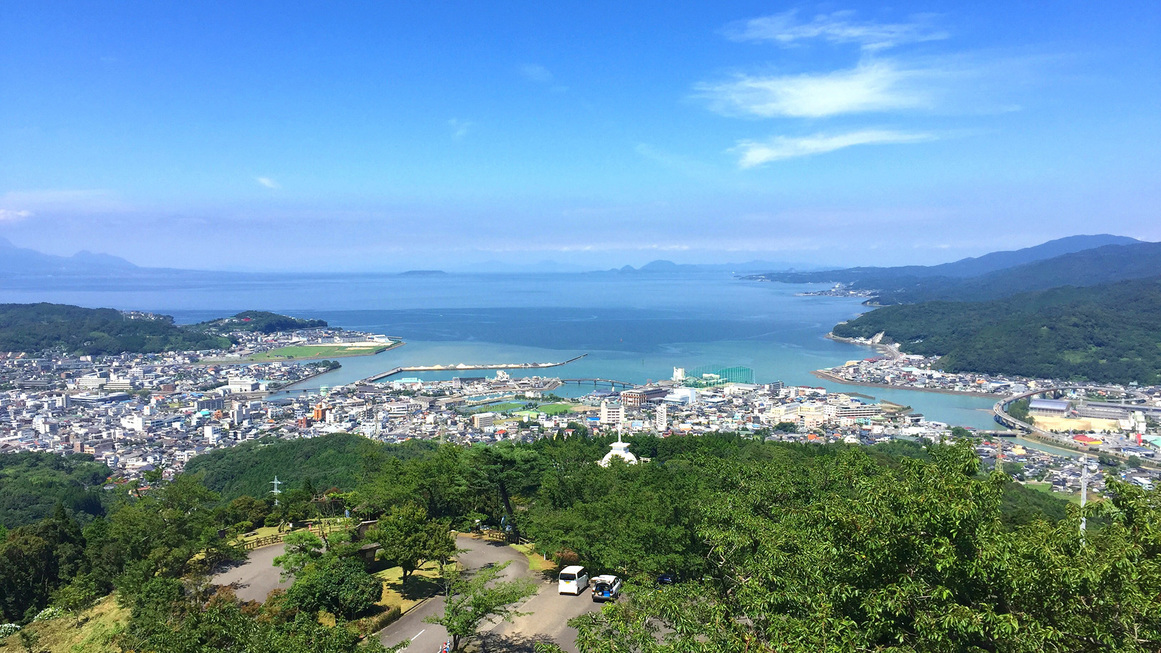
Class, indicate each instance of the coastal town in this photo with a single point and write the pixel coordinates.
(142, 413)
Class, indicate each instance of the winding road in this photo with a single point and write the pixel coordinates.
(547, 611)
(546, 621)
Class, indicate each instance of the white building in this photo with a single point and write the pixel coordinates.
(612, 414)
(620, 450)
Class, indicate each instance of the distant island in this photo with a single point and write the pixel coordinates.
(423, 273)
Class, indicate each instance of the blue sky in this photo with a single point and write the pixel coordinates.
(390, 135)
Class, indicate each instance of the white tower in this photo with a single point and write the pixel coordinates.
(662, 419)
(620, 450)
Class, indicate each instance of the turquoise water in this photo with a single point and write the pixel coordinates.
(634, 327)
(771, 361)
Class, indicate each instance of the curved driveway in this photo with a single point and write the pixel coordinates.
(255, 578)
(550, 612)
(547, 618)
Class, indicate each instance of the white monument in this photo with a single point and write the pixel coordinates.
(620, 450)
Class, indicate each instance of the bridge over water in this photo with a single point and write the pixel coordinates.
(599, 382)
(1000, 410)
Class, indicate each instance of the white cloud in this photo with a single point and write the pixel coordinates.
(13, 215)
(267, 182)
(838, 27)
(870, 86)
(51, 200)
(537, 73)
(459, 127)
(755, 153)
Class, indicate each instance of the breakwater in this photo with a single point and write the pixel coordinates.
(467, 367)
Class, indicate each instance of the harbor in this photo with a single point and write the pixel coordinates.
(467, 367)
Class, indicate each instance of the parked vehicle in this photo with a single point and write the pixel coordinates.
(572, 580)
(606, 587)
(666, 579)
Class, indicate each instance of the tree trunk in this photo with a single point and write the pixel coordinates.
(508, 507)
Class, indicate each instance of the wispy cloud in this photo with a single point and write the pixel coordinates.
(459, 128)
(870, 86)
(50, 200)
(267, 182)
(13, 215)
(756, 153)
(536, 73)
(787, 29)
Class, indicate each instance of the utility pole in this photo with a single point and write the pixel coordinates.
(276, 491)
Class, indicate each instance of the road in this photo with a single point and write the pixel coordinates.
(999, 409)
(547, 620)
(257, 576)
(547, 623)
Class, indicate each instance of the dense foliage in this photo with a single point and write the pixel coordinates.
(341, 586)
(33, 483)
(838, 553)
(40, 327)
(778, 546)
(341, 460)
(260, 322)
(1092, 267)
(174, 618)
(1104, 333)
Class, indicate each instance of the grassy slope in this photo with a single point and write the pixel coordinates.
(95, 631)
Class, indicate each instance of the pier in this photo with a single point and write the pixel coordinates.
(465, 367)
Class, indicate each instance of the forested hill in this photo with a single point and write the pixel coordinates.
(906, 547)
(36, 328)
(1090, 267)
(878, 278)
(32, 484)
(338, 460)
(259, 322)
(1105, 333)
(960, 282)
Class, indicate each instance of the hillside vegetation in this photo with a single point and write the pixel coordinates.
(1090, 267)
(36, 328)
(259, 322)
(908, 276)
(1106, 333)
(33, 483)
(831, 548)
(340, 460)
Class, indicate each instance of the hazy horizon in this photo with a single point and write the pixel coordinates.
(319, 137)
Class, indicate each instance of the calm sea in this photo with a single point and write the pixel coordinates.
(633, 327)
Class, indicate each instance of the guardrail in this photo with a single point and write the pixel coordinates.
(501, 536)
(265, 540)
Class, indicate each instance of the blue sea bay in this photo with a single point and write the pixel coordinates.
(634, 327)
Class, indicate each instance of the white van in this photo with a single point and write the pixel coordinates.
(573, 580)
